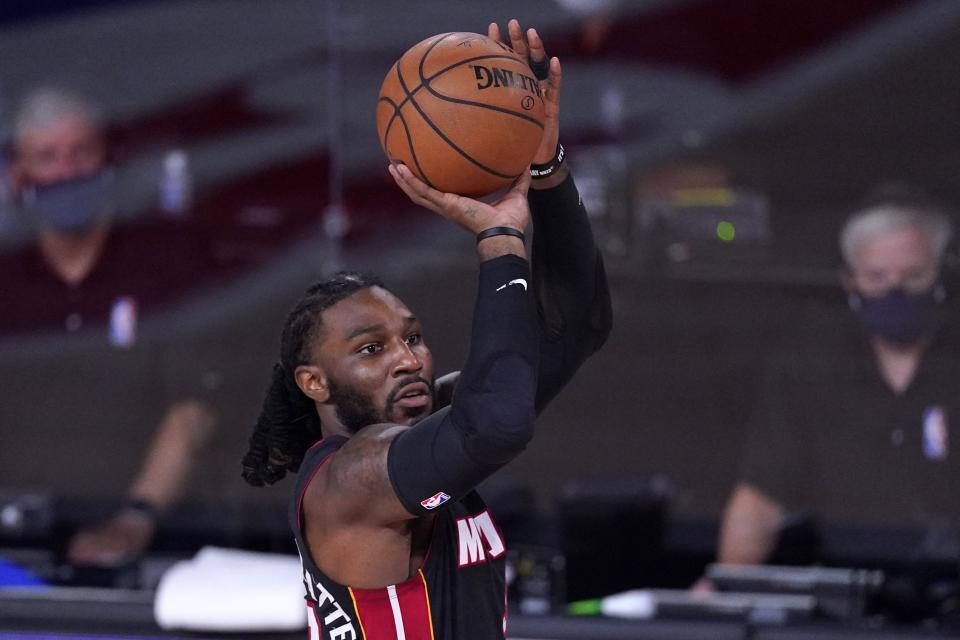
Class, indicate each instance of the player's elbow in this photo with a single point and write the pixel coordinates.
(601, 316)
(498, 440)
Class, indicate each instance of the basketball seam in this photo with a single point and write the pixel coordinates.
(491, 107)
(406, 131)
(397, 107)
(420, 86)
(425, 83)
(443, 136)
(412, 92)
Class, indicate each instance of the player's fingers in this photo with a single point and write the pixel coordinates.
(555, 80)
(406, 186)
(537, 50)
(517, 42)
(537, 56)
(422, 193)
(493, 31)
(420, 188)
(522, 184)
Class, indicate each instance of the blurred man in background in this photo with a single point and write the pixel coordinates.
(82, 283)
(853, 420)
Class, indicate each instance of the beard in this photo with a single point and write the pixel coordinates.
(356, 410)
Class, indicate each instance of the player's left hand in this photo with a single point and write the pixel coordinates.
(510, 210)
(529, 46)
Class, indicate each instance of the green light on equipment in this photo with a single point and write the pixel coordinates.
(725, 231)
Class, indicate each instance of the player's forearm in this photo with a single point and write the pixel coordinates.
(491, 419)
(563, 239)
(499, 376)
(497, 246)
(571, 285)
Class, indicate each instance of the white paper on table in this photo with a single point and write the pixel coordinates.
(232, 590)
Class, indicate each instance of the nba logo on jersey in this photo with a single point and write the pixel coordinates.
(435, 500)
(123, 322)
(936, 437)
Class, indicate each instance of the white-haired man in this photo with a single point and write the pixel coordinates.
(76, 425)
(853, 418)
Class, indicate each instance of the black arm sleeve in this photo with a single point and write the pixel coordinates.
(573, 299)
(491, 418)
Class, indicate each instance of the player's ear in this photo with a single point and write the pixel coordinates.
(313, 382)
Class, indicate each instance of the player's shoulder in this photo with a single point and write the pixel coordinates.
(363, 454)
(372, 436)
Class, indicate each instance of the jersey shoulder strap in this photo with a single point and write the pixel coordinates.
(312, 459)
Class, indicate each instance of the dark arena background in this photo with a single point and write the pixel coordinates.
(718, 145)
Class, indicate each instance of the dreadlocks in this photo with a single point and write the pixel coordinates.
(288, 422)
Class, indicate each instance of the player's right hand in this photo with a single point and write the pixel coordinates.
(511, 210)
(528, 45)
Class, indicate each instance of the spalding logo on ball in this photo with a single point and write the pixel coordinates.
(463, 111)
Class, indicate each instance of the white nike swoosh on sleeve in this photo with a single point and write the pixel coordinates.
(519, 281)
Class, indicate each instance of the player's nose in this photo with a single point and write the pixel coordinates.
(407, 360)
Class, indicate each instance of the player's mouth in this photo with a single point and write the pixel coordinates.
(413, 396)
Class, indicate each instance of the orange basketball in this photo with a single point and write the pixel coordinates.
(464, 112)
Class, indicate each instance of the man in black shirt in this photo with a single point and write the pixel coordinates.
(853, 420)
(84, 283)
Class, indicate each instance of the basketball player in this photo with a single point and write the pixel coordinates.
(395, 542)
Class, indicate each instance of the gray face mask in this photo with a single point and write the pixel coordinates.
(72, 206)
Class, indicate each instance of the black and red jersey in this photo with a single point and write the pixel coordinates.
(458, 594)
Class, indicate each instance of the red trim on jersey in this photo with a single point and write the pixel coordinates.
(379, 611)
(307, 484)
(313, 630)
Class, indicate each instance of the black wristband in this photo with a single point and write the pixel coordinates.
(541, 171)
(499, 231)
(141, 508)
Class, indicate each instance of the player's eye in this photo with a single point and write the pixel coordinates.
(370, 349)
(414, 339)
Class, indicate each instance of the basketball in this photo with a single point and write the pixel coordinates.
(462, 111)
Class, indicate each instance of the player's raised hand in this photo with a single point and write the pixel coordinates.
(511, 210)
(528, 44)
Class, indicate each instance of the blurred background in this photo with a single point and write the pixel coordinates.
(718, 146)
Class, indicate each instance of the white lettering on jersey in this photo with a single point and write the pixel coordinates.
(337, 613)
(346, 632)
(494, 542)
(471, 546)
(472, 532)
(316, 591)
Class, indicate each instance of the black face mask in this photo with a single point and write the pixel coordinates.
(900, 317)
